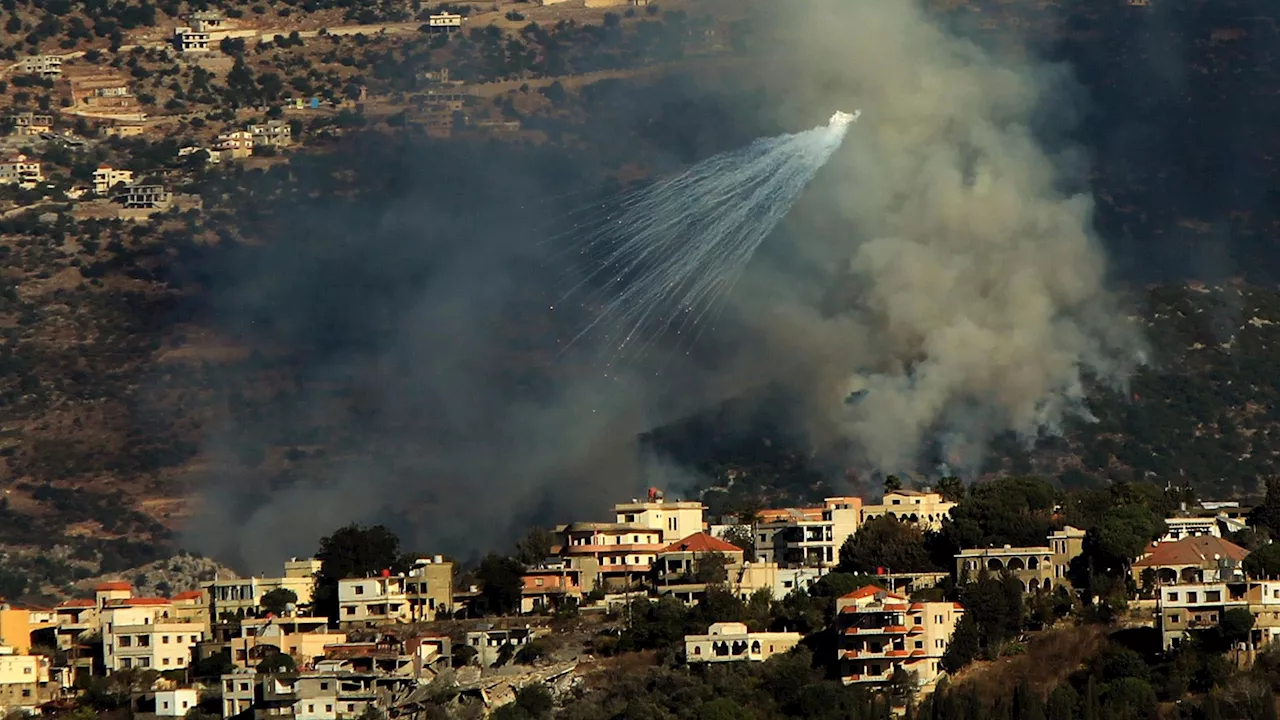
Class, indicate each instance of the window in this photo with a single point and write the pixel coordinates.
(350, 609)
(919, 644)
(244, 687)
(311, 708)
(359, 589)
(165, 704)
(1213, 596)
(673, 523)
(938, 619)
(146, 662)
(1175, 618)
(540, 581)
(26, 671)
(328, 708)
(26, 693)
(1173, 597)
(324, 686)
(126, 663)
(126, 641)
(939, 644)
(164, 639)
(1193, 597)
(351, 707)
(1198, 618)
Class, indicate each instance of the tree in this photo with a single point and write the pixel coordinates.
(966, 643)
(1263, 563)
(951, 488)
(885, 542)
(500, 584)
(892, 483)
(742, 537)
(711, 568)
(353, 551)
(1235, 625)
(277, 602)
(277, 662)
(535, 547)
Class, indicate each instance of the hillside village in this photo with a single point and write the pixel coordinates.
(415, 635)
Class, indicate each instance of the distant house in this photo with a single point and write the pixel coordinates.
(30, 123)
(190, 40)
(444, 22)
(1197, 559)
(105, 178)
(233, 145)
(679, 567)
(207, 21)
(273, 133)
(880, 632)
(144, 195)
(21, 170)
(489, 642)
(731, 642)
(46, 66)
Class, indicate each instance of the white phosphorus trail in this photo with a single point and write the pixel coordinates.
(661, 258)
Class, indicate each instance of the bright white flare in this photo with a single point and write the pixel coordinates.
(662, 257)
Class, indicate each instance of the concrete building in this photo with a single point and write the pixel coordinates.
(46, 66)
(880, 632)
(927, 509)
(430, 588)
(16, 626)
(190, 40)
(678, 568)
(207, 22)
(444, 22)
(144, 195)
(789, 579)
(309, 696)
(232, 145)
(807, 537)
(489, 643)
(673, 519)
(1195, 606)
(27, 123)
(21, 170)
(610, 555)
(273, 133)
(142, 632)
(24, 681)
(302, 638)
(549, 585)
(731, 642)
(105, 178)
(373, 600)
(243, 596)
(1197, 559)
(1032, 566)
(176, 702)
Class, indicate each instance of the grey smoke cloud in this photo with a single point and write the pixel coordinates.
(979, 287)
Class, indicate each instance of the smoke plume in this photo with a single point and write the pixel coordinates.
(975, 286)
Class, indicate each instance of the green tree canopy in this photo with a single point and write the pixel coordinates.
(277, 602)
(885, 542)
(500, 584)
(353, 551)
(1263, 563)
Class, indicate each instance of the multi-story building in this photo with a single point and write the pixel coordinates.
(489, 642)
(430, 588)
(303, 638)
(105, 178)
(673, 519)
(143, 195)
(679, 568)
(16, 626)
(208, 21)
(144, 632)
(927, 509)
(881, 632)
(1066, 545)
(611, 555)
(548, 585)
(1032, 566)
(24, 681)
(243, 596)
(1197, 559)
(237, 144)
(21, 170)
(731, 642)
(373, 600)
(1196, 606)
(30, 123)
(190, 40)
(1177, 528)
(310, 695)
(422, 658)
(807, 537)
(273, 133)
(46, 66)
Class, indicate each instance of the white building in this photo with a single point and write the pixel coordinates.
(105, 178)
(444, 22)
(731, 642)
(145, 633)
(176, 703)
(244, 595)
(809, 536)
(273, 134)
(373, 600)
(21, 170)
(190, 40)
(675, 520)
(489, 643)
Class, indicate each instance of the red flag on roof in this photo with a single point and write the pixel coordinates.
(881, 571)
(386, 572)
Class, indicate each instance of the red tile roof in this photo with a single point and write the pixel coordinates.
(870, 591)
(106, 586)
(76, 603)
(701, 542)
(189, 595)
(1199, 550)
(128, 602)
